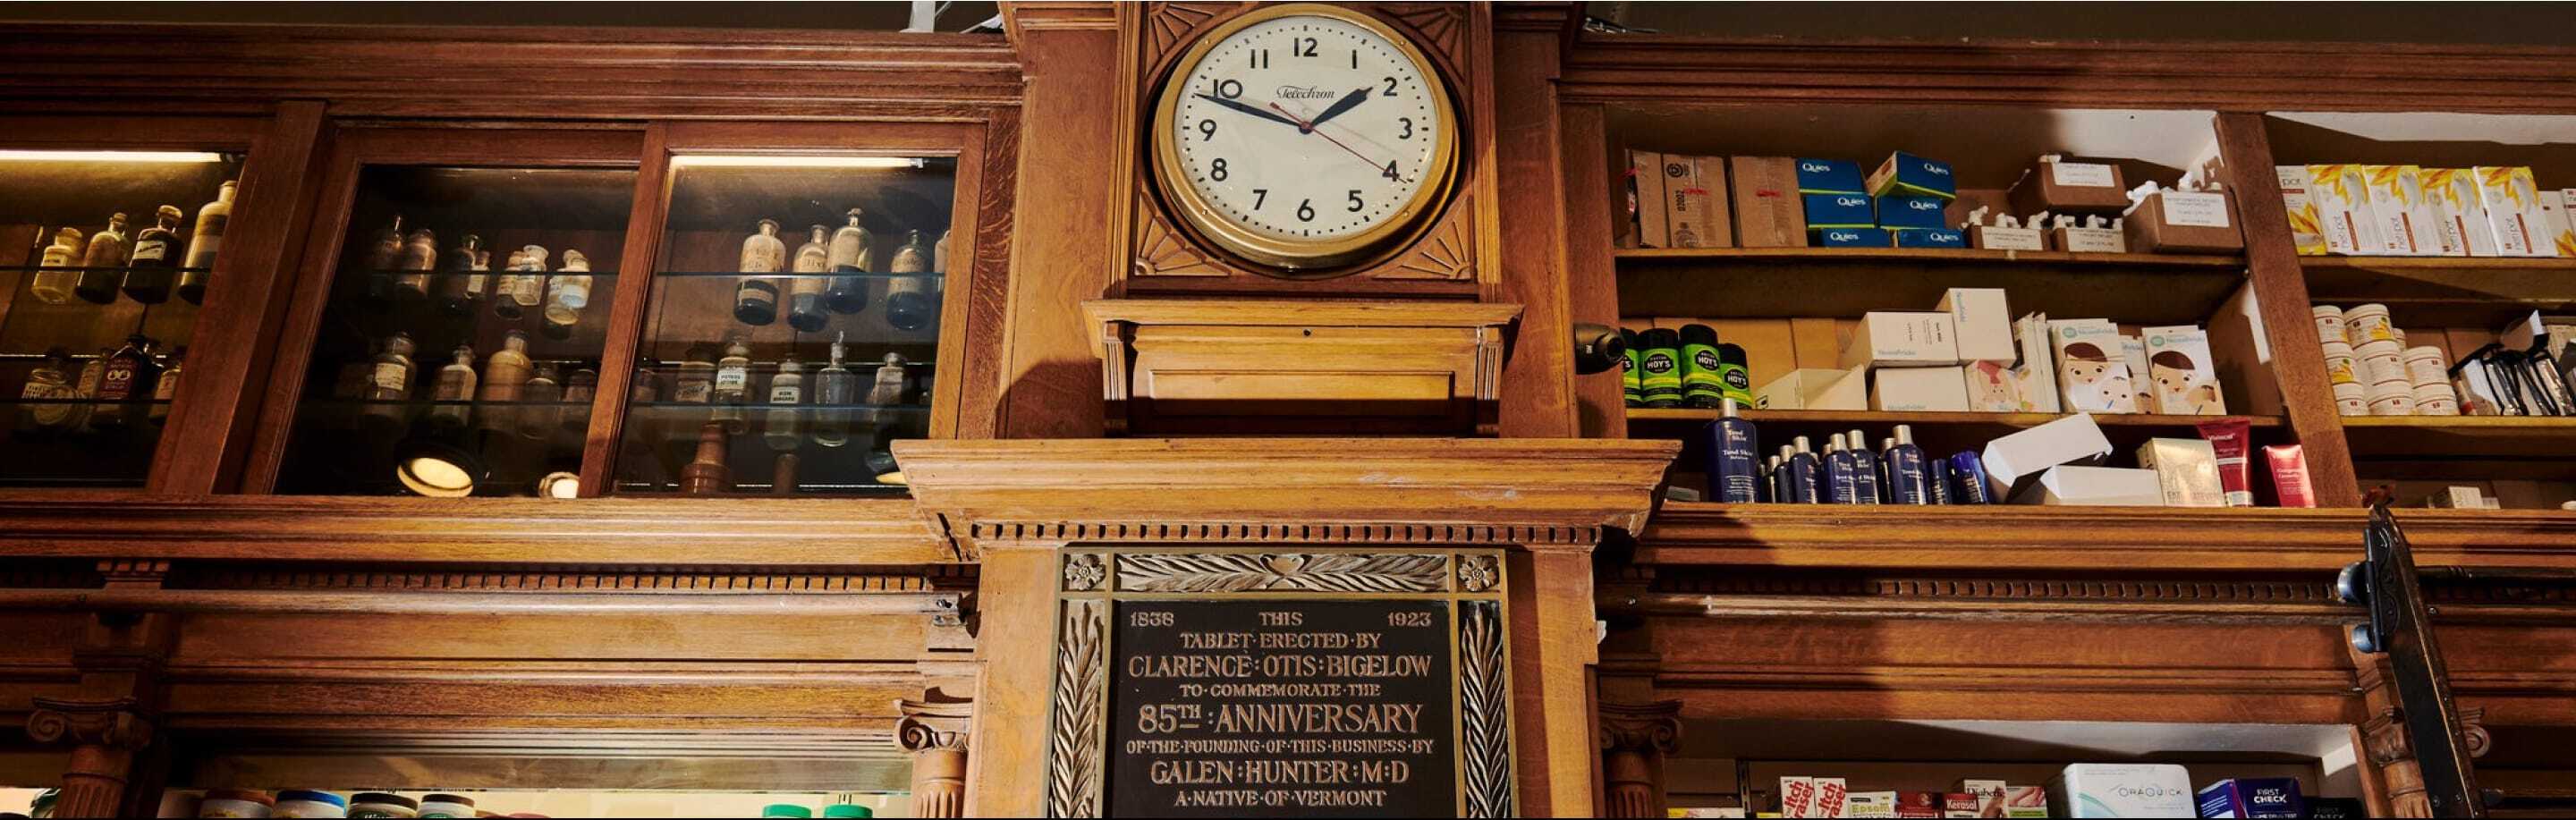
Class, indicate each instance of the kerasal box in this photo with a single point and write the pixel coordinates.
(1768, 213)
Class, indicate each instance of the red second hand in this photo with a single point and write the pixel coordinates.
(1311, 129)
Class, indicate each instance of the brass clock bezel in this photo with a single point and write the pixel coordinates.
(1305, 259)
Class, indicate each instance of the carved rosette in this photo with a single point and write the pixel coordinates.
(1080, 710)
(1282, 572)
(1484, 711)
(1083, 572)
(1479, 573)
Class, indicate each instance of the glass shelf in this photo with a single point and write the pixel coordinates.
(816, 275)
(60, 324)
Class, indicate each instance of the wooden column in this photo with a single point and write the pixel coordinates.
(2272, 267)
(1635, 739)
(935, 732)
(1062, 252)
(1538, 379)
(103, 735)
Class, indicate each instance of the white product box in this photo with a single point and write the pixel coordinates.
(1992, 387)
(2122, 790)
(1869, 804)
(1798, 797)
(2186, 471)
(2035, 372)
(2555, 221)
(2133, 351)
(2306, 228)
(2071, 485)
(1831, 793)
(1919, 388)
(2180, 373)
(2342, 196)
(1989, 794)
(1902, 339)
(1982, 322)
(2463, 228)
(1816, 388)
(2408, 225)
(2016, 460)
(2513, 210)
(2092, 372)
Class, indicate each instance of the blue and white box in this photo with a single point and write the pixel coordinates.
(1912, 213)
(2276, 797)
(1839, 211)
(2114, 789)
(1905, 173)
(1851, 238)
(1829, 176)
(1942, 238)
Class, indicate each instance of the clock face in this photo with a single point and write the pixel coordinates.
(1305, 139)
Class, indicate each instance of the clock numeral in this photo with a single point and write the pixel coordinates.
(1261, 59)
(1303, 46)
(1305, 210)
(1231, 89)
(1259, 195)
(1407, 122)
(1390, 171)
(1356, 204)
(1390, 87)
(1207, 130)
(1216, 170)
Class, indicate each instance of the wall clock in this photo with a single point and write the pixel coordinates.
(1305, 139)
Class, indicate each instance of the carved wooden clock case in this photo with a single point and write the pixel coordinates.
(1449, 258)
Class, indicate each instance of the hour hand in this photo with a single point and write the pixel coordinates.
(1346, 103)
(1248, 109)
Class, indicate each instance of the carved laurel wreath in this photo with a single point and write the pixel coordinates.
(1485, 710)
(1073, 742)
(1289, 571)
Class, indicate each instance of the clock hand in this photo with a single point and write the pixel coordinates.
(1251, 110)
(1309, 127)
(1346, 103)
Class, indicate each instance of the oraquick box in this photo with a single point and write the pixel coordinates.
(2407, 224)
(2513, 209)
(1904, 173)
(2092, 369)
(1911, 213)
(1829, 176)
(2121, 790)
(2305, 228)
(2180, 376)
(2555, 219)
(2453, 193)
(2342, 196)
(1840, 211)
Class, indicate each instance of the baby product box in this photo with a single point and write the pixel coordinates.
(1902, 339)
(2122, 790)
(2035, 369)
(2181, 376)
(1919, 388)
(2134, 352)
(2092, 372)
(1982, 321)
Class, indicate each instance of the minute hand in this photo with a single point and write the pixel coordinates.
(1346, 103)
(1252, 111)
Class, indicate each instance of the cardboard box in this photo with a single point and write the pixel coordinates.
(1904, 173)
(2462, 219)
(1958, 804)
(2035, 369)
(2017, 459)
(1918, 213)
(2068, 187)
(1991, 387)
(1839, 211)
(1869, 804)
(1934, 238)
(1768, 212)
(2087, 240)
(2071, 485)
(1695, 202)
(1829, 176)
(2092, 372)
(1852, 238)
(1989, 794)
(1941, 389)
(2554, 219)
(1894, 339)
(2186, 471)
(1918, 804)
(2134, 352)
(1815, 388)
(1646, 197)
(2306, 232)
(1831, 794)
(1982, 322)
(2512, 201)
(2408, 225)
(2342, 196)
(2181, 376)
(2122, 790)
(2184, 222)
(2007, 239)
(2276, 798)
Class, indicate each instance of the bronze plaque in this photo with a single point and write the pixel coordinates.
(1283, 707)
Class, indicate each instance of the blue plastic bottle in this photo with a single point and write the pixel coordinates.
(1909, 481)
(1731, 443)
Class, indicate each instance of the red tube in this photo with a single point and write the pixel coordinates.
(2227, 439)
(2290, 475)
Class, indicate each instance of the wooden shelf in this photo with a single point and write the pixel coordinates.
(1937, 432)
(2464, 447)
(1797, 282)
(2444, 290)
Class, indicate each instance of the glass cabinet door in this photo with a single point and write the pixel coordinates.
(793, 328)
(459, 348)
(104, 259)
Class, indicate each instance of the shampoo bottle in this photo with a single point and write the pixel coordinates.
(1779, 483)
(1842, 482)
(1936, 479)
(1866, 488)
(1803, 473)
(1731, 443)
(1908, 481)
(1968, 479)
(1770, 477)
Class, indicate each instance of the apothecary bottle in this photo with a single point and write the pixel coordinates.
(106, 253)
(50, 395)
(755, 299)
(508, 281)
(528, 287)
(885, 393)
(580, 388)
(156, 250)
(910, 302)
(848, 294)
(388, 384)
(54, 279)
(455, 284)
(784, 426)
(539, 415)
(733, 385)
(505, 378)
(204, 241)
(805, 293)
(568, 293)
(420, 253)
(85, 385)
(696, 381)
(166, 389)
(454, 391)
(835, 388)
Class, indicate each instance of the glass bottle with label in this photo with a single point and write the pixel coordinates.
(885, 394)
(206, 239)
(848, 294)
(835, 388)
(505, 378)
(567, 295)
(156, 250)
(49, 386)
(388, 384)
(580, 389)
(696, 381)
(381, 258)
(106, 253)
(166, 389)
(54, 278)
(85, 386)
(420, 253)
(452, 286)
(910, 302)
(755, 299)
(784, 427)
(454, 391)
(805, 293)
(733, 385)
(528, 289)
(538, 417)
(502, 305)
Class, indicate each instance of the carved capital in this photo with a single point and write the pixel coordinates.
(2384, 735)
(2473, 731)
(112, 724)
(1648, 727)
(933, 725)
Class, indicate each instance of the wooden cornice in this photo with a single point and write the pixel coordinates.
(1023, 16)
(2087, 73)
(535, 72)
(1287, 490)
(2089, 538)
(681, 532)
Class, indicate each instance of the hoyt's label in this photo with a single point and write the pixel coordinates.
(1659, 375)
